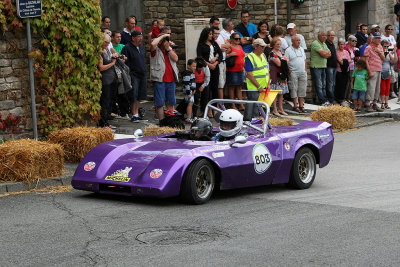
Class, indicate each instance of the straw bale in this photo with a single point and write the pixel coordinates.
(156, 130)
(78, 141)
(340, 117)
(27, 160)
(281, 122)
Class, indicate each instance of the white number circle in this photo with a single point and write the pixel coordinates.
(262, 158)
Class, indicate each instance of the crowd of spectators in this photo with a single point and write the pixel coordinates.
(244, 62)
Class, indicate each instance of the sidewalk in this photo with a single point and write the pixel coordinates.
(126, 128)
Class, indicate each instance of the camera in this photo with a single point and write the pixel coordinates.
(120, 57)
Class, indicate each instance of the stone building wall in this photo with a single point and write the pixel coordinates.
(384, 14)
(14, 81)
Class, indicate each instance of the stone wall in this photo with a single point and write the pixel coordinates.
(14, 81)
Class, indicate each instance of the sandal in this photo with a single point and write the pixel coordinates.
(276, 113)
(303, 110)
(283, 112)
(297, 109)
(383, 106)
(387, 106)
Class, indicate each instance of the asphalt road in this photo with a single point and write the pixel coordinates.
(349, 217)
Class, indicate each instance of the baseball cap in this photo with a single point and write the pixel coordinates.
(291, 26)
(135, 33)
(376, 35)
(375, 26)
(259, 41)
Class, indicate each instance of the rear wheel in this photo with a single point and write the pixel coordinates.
(303, 170)
(198, 182)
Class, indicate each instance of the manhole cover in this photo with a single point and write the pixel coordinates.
(180, 235)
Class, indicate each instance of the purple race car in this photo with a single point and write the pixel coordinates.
(177, 165)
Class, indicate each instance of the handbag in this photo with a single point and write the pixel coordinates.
(230, 61)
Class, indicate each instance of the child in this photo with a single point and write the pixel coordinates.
(156, 30)
(359, 84)
(189, 87)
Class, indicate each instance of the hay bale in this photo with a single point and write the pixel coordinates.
(281, 122)
(78, 141)
(27, 160)
(156, 130)
(340, 117)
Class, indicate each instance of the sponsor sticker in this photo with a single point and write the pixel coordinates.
(287, 146)
(262, 158)
(322, 136)
(89, 166)
(120, 175)
(156, 173)
(218, 155)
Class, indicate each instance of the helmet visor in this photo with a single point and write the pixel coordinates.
(227, 125)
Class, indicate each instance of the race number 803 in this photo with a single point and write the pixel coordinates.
(262, 158)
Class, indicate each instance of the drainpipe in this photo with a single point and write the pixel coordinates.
(276, 12)
(289, 12)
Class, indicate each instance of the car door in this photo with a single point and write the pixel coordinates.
(253, 163)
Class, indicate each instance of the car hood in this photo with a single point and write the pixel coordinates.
(138, 159)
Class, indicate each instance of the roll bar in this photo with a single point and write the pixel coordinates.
(260, 105)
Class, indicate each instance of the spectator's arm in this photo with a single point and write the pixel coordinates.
(156, 41)
(103, 67)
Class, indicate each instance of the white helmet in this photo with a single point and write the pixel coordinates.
(230, 122)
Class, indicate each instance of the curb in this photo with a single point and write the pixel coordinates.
(373, 122)
(40, 183)
(393, 115)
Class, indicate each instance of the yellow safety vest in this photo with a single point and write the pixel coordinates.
(260, 71)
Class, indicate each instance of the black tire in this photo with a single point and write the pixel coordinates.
(198, 182)
(303, 170)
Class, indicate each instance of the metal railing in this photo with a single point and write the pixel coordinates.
(260, 105)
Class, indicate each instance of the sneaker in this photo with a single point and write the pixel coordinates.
(189, 121)
(327, 103)
(137, 119)
(370, 109)
(376, 108)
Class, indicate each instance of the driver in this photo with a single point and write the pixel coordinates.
(230, 125)
(201, 129)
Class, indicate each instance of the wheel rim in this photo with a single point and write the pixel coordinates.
(204, 184)
(306, 168)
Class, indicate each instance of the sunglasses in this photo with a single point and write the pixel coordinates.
(386, 46)
(390, 29)
(236, 38)
(353, 40)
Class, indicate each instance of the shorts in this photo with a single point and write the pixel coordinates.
(191, 100)
(164, 92)
(358, 94)
(298, 84)
(234, 78)
(222, 75)
(139, 89)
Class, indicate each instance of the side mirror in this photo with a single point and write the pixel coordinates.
(239, 140)
(138, 133)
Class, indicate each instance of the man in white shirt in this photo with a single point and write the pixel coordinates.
(298, 73)
(227, 30)
(223, 42)
(292, 31)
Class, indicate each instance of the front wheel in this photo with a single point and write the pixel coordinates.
(198, 182)
(303, 170)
